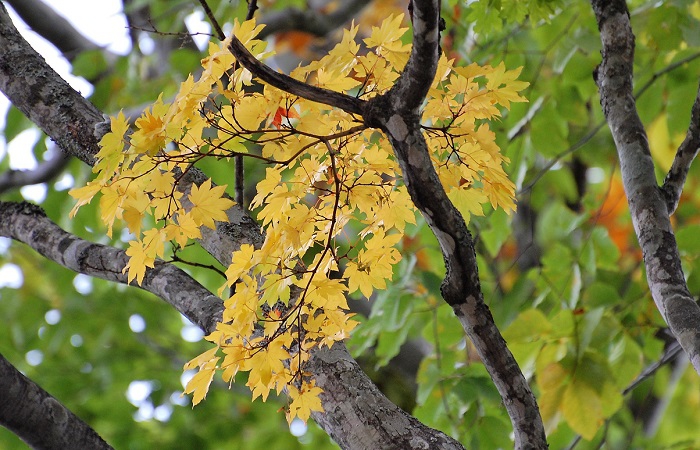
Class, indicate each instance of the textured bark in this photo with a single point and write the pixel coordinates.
(38, 418)
(397, 114)
(350, 425)
(43, 96)
(647, 203)
(28, 223)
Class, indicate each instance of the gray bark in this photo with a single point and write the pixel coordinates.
(647, 202)
(37, 418)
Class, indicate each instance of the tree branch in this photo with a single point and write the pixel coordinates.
(26, 408)
(309, 20)
(28, 223)
(648, 205)
(55, 28)
(687, 151)
(286, 83)
(397, 114)
(40, 93)
(45, 171)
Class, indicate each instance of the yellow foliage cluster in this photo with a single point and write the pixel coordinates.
(331, 200)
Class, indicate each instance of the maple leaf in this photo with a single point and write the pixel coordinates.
(111, 154)
(138, 261)
(149, 136)
(83, 195)
(283, 113)
(209, 204)
(199, 383)
(110, 206)
(242, 261)
(304, 401)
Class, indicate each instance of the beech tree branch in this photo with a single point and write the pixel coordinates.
(687, 151)
(647, 203)
(26, 408)
(397, 114)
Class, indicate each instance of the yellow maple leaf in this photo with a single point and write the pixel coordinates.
(138, 261)
(111, 154)
(83, 195)
(304, 401)
(185, 229)
(149, 136)
(198, 385)
(242, 260)
(209, 204)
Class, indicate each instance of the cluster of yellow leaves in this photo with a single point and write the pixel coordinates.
(331, 200)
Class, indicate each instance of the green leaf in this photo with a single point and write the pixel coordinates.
(531, 325)
(687, 239)
(600, 294)
(89, 64)
(582, 408)
(15, 123)
(497, 232)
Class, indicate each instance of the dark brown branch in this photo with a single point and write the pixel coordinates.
(648, 205)
(397, 114)
(687, 151)
(26, 408)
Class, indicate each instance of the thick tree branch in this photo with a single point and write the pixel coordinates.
(397, 114)
(40, 93)
(648, 206)
(687, 151)
(28, 223)
(26, 408)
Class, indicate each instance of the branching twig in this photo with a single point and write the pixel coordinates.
(648, 205)
(687, 151)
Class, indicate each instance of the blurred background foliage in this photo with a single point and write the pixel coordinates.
(563, 275)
